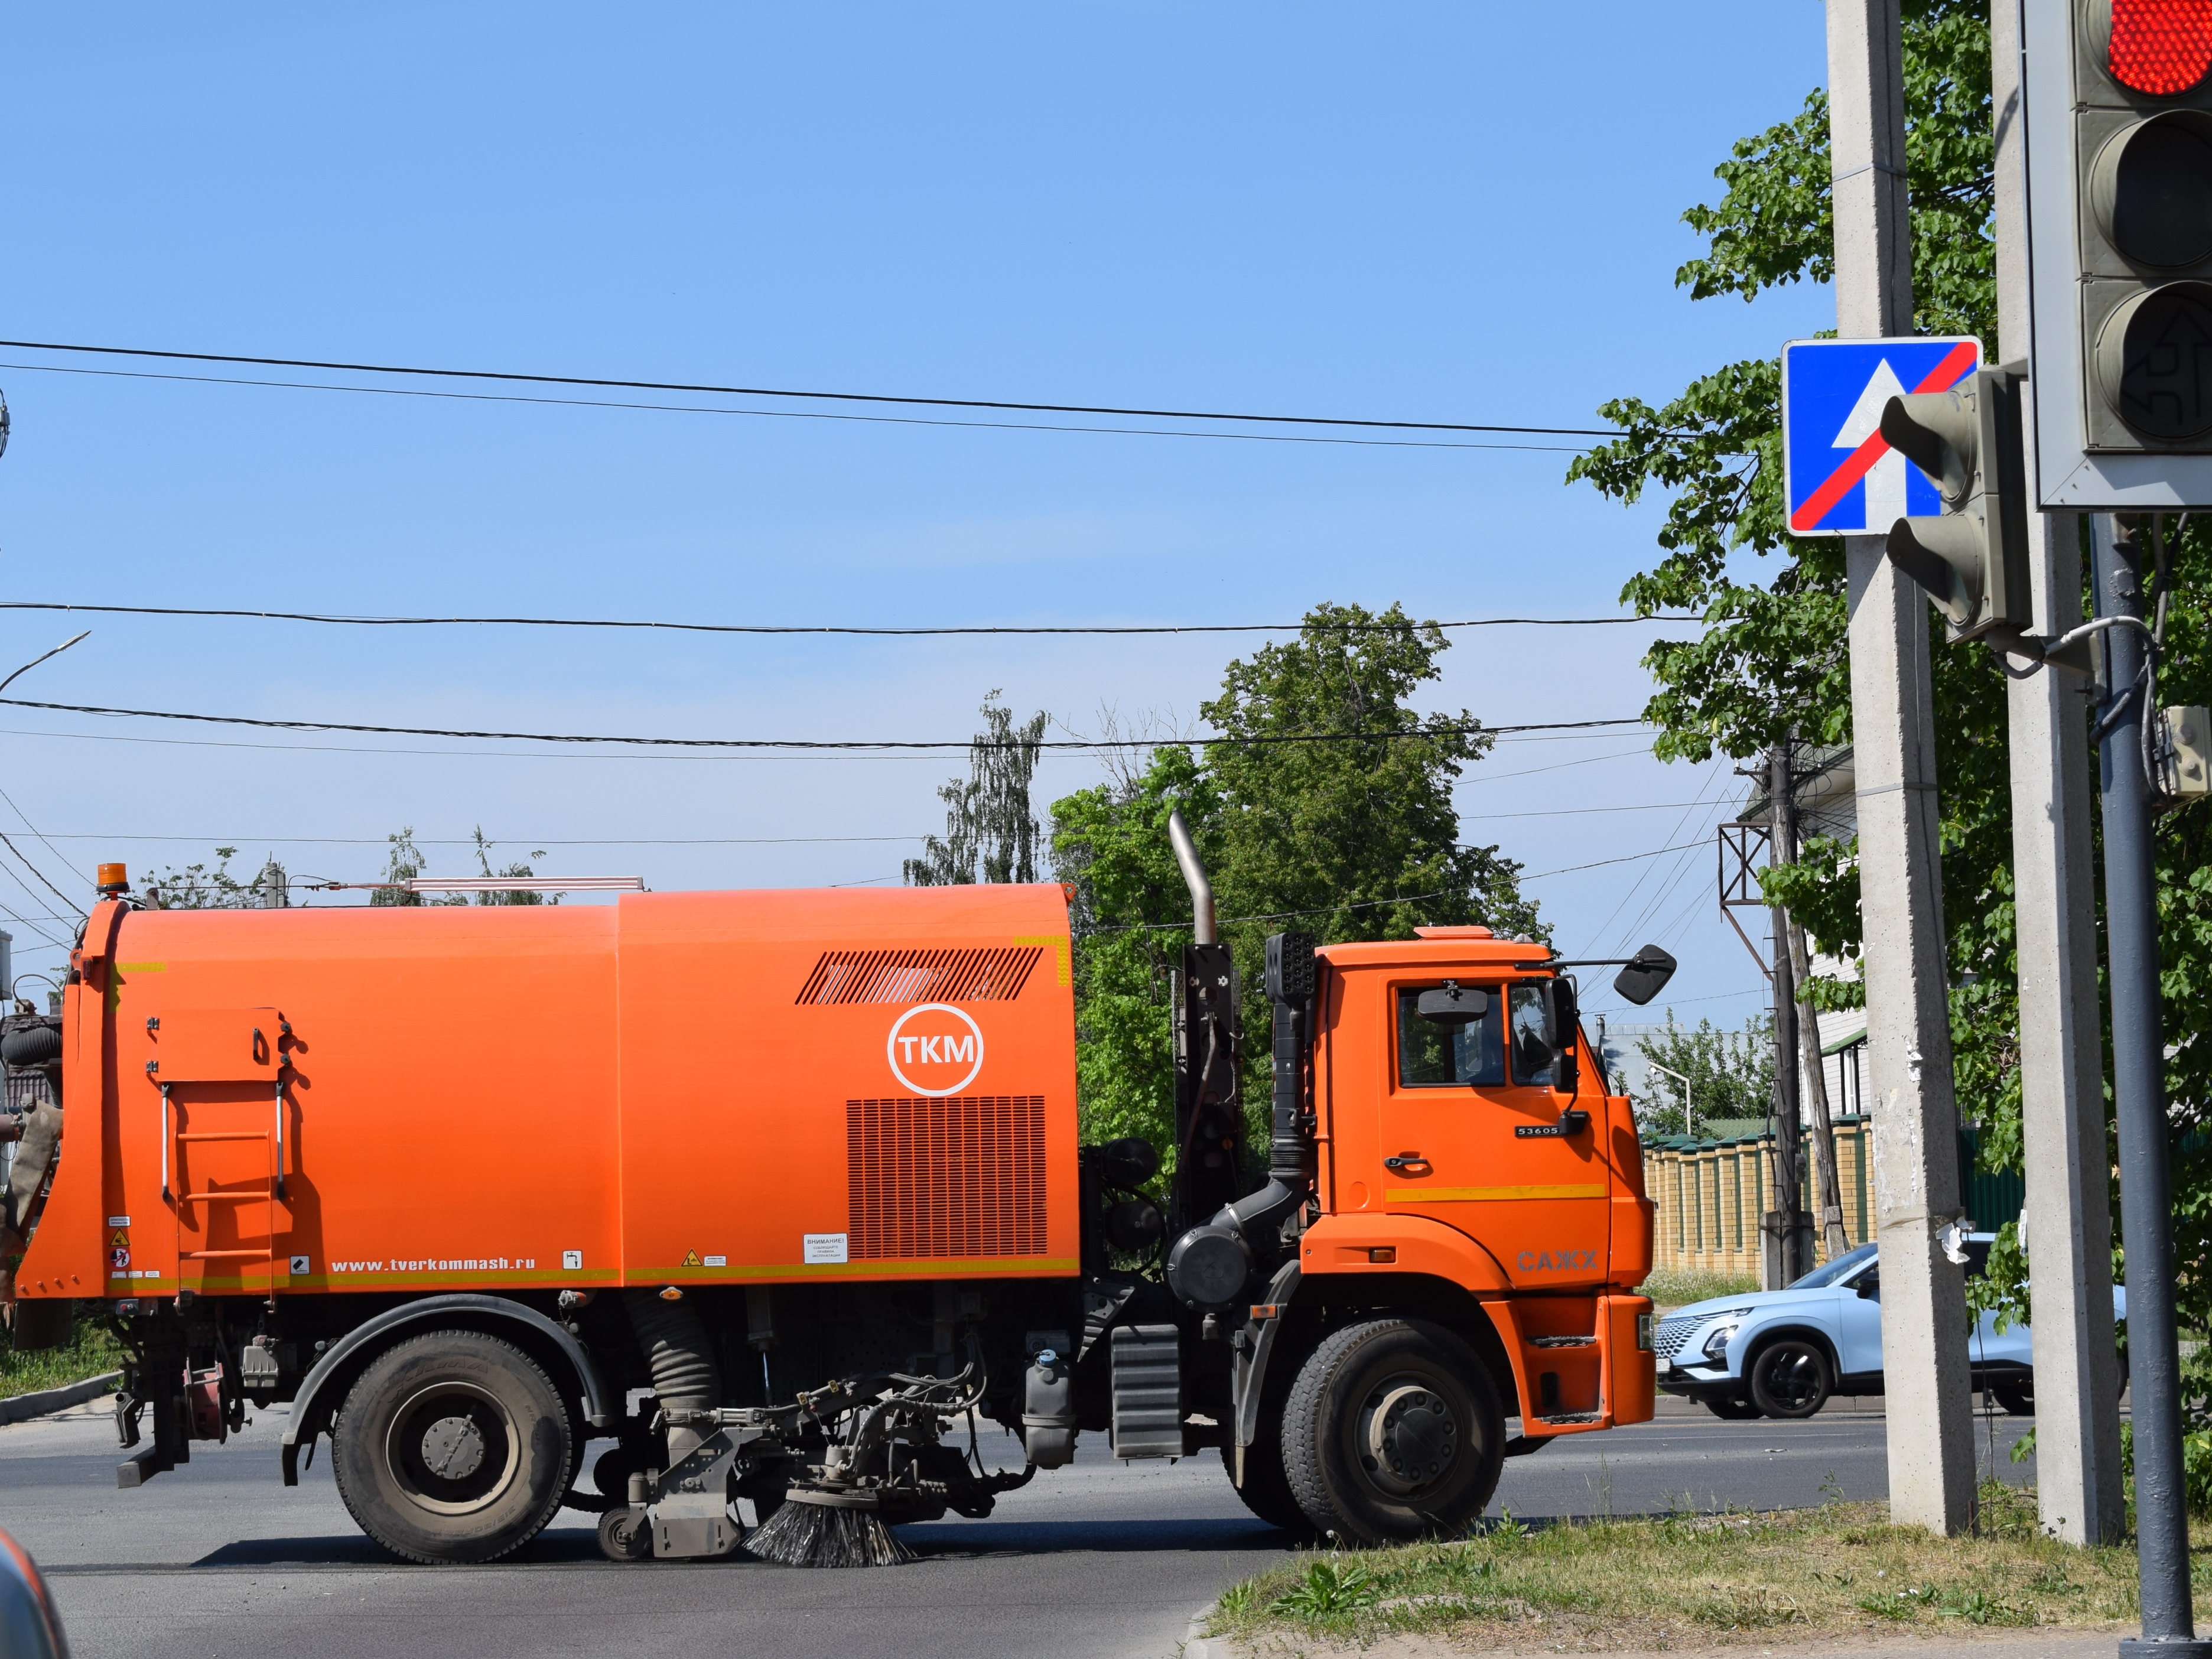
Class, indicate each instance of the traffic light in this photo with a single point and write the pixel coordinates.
(1972, 558)
(2119, 145)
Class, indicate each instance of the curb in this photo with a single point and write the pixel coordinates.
(1197, 1644)
(23, 1406)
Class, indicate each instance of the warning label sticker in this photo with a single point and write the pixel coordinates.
(822, 1247)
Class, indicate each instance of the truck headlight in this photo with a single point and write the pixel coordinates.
(1643, 1332)
(1716, 1344)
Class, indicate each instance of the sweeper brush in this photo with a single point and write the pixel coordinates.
(825, 1529)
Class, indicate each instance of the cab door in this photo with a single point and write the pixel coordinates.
(1474, 1135)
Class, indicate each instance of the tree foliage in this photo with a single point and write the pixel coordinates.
(1324, 806)
(1731, 1075)
(1771, 660)
(991, 832)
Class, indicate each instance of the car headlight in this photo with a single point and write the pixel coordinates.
(1715, 1347)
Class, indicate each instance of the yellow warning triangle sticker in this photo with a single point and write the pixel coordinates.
(120, 1242)
(690, 1258)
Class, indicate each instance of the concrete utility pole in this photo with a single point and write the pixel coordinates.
(2067, 1220)
(1930, 1417)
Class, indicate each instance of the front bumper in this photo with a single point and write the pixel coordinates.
(1700, 1382)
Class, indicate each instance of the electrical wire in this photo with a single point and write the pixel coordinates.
(1626, 858)
(802, 414)
(39, 873)
(773, 391)
(673, 841)
(809, 743)
(804, 629)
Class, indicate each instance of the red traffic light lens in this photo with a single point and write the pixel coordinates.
(2161, 47)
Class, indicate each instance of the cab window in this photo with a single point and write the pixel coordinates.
(1433, 1056)
(1532, 1055)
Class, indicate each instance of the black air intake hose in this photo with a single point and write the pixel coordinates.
(36, 1042)
(685, 1378)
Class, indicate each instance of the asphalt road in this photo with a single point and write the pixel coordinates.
(1098, 1559)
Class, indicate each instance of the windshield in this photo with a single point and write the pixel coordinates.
(1842, 1267)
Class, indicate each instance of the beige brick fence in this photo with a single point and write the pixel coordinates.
(1711, 1195)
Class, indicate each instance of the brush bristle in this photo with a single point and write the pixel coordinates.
(820, 1536)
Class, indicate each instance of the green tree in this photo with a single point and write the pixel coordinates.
(990, 822)
(1731, 1075)
(1771, 660)
(1324, 806)
(404, 862)
(196, 887)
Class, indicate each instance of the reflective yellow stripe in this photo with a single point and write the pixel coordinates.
(1488, 1194)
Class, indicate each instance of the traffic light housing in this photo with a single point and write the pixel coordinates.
(2119, 154)
(1972, 558)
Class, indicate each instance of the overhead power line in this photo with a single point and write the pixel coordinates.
(784, 392)
(803, 744)
(825, 627)
(1220, 435)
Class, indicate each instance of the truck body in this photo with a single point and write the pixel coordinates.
(777, 1190)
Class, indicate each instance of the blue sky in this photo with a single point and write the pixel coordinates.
(1450, 212)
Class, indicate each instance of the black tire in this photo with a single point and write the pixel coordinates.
(1267, 1489)
(625, 1534)
(1393, 1430)
(452, 1447)
(2015, 1393)
(1729, 1409)
(1791, 1378)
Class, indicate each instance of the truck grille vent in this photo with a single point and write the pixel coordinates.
(959, 1176)
(848, 976)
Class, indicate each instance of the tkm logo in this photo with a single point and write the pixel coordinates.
(935, 1049)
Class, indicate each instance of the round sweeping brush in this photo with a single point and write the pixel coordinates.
(815, 1528)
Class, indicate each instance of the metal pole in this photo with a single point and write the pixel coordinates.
(1789, 1130)
(2139, 1102)
(1929, 1418)
(2066, 1224)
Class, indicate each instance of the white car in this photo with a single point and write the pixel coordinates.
(1781, 1354)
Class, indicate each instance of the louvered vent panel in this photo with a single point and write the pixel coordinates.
(959, 1176)
(848, 976)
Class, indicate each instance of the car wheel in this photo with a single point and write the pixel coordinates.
(1267, 1489)
(1789, 1378)
(452, 1447)
(1732, 1409)
(2017, 1394)
(1393, 1430)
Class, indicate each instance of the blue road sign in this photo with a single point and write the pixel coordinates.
(1841, 478)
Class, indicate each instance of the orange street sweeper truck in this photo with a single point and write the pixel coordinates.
(780, 1192)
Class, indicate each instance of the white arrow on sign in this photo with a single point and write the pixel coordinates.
(1885, 482)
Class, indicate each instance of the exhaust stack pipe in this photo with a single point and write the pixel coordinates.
(1194, 877)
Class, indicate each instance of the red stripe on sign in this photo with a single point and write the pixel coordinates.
(1957, 364)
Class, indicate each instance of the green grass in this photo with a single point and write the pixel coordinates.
(89, 1351)
(1672, 1288)
(1695, 1581)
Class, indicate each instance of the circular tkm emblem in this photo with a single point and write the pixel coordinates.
(935, 1049)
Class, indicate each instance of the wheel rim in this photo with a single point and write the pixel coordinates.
(1792, 1376)
(1407, 1435)
(452, 1449)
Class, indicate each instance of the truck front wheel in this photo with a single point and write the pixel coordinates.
(1393, 1430)
(452, 1447)
(1267, 1489)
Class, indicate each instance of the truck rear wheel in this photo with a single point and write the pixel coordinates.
(452, 1447)
(1393, 1430)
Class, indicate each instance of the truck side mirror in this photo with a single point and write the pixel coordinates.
(1646, 977)
(1562, 1019)
(1453, 1004)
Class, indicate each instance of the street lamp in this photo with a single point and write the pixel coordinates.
(1654, 1065)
